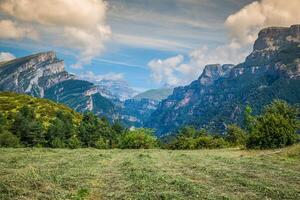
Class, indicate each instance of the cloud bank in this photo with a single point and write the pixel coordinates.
(245, 24)
(74, 24)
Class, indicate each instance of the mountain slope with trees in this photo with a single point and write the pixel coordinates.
(220, 95)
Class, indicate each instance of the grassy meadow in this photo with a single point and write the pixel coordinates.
(40, 173)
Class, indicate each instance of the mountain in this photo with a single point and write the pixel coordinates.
(43, 75)
(118, 89)
(154, 94)
(44, 108)
(219, 96)
(32, 74)
(136, 112)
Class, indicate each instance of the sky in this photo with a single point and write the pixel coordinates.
(148, 43)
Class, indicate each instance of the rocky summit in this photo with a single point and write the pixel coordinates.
(219, 96)
(32, 74)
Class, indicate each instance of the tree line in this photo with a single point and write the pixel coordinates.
(276, 127)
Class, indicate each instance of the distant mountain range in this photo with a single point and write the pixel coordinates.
(155, 94)
(118, 89)
(219, 96)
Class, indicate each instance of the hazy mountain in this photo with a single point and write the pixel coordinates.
(154, 94)
(118, 88)
(221, 93)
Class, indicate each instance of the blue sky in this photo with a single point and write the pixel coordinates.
(149, 43)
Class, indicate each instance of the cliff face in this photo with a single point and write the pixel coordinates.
(32, 74)
(220, 94)
(43, 75)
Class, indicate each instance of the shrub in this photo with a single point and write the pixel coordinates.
(74, 143)
(275, 128)
(101, 143)
(57, 143)
(235, 135)
(7, 139)
(138, 139)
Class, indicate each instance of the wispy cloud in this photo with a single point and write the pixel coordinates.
(119, 63)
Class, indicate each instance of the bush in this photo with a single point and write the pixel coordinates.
(275, 128)
(235, 135)
(102, 144)
(209, 142)
(138, 139)
(74, 143)
(7, 139)
(57, 143)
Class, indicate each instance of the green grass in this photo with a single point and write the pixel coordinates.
(149, 174)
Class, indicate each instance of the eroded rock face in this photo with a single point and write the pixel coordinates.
(220, 94)
(43, 75)
(32, 74)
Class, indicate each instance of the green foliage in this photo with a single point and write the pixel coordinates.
(138, 139)
(62, 128)
(275, 128)
(37, 122)
(190, 138)
(28, 128)
(74, 143)
(93, 129)
(101, 143)
(7, 139)
(235, 135)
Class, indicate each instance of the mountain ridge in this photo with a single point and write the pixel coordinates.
(219, 96)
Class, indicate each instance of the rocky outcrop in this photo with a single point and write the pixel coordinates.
(220, 94)
(32, 74)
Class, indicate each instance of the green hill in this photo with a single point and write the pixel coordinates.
(155, 94)
(45, 109)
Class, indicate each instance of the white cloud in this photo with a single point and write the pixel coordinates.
(245, 24)
(95, 78)
(6, 56)
(164, 71)
(179, 71)
(75, 24)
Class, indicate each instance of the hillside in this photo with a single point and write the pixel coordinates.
(219, 96)
(45, 109)
(149, 174)
(154, 94)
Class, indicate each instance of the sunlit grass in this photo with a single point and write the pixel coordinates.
(149, 174)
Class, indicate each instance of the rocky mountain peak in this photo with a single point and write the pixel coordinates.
(274, 38)
(32, 74)
(213, 72)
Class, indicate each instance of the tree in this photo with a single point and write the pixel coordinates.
(249, 119)
(61, 130)
(235, 135)
(28, 128)
(138, 139)
(92, 129)
(276, 127)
